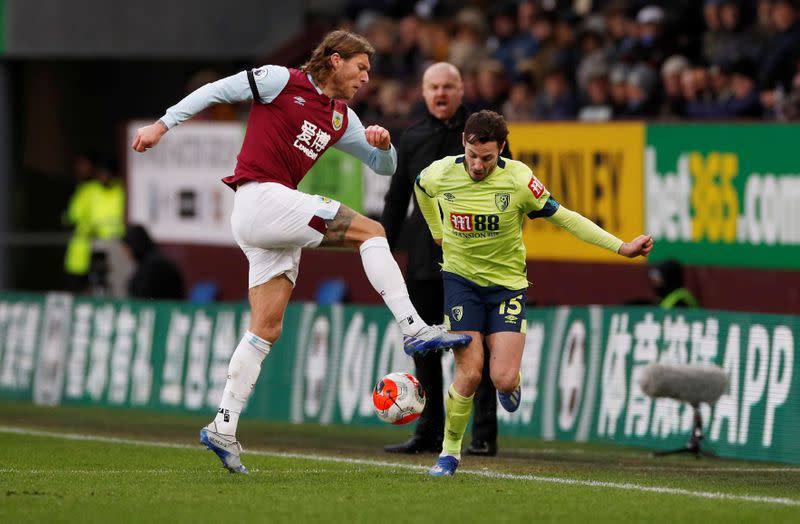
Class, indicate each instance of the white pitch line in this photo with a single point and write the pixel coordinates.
(626, 486)
(4, 471)
(703, 469)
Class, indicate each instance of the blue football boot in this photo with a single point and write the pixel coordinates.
(445, 467)
(510, 401)
(225, 446)
(433, 338)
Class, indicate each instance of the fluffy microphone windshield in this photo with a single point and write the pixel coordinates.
(689, 383)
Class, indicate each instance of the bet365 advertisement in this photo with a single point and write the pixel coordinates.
(724, 194)
(581, 367)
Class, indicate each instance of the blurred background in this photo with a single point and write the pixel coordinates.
(673, 118)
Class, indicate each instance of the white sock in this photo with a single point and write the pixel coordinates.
(385, 276)
(242, 375)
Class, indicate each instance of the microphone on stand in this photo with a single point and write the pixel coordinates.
(690, 383)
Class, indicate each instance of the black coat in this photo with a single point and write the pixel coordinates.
(155, 276)
(424, 142)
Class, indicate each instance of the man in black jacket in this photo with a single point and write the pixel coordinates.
(436, 135)
(156, 276)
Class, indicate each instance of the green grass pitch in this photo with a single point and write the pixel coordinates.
(75, 464)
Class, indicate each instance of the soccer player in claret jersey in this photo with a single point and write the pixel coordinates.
(296, 115)
(474, 206)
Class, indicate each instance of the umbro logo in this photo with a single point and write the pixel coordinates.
(449, 197)
(299, 100)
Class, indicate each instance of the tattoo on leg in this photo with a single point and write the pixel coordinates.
(337, 228)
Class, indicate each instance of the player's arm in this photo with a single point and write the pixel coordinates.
(540, 204)
(589, 232)
(262, 84)
(372, 145)
(426, 198)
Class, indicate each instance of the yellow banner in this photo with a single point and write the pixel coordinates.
(594, 169)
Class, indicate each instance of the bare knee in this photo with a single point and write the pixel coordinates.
(505, 380)
(467, 380)
(268, 329)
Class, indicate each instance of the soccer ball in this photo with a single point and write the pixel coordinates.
(398, 398)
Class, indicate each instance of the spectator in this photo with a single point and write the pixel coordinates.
(502, 43)
(467, 47)
(599, 106)
(619, 88)
(651, 47)
(738, 43)
(719, 77)
(764, 29)
(621, 30)
(491, 84)
(520, 105)
(542, 31)
(791, 106)
(778, 64)
(155, 276)
(640, 93)
(78, 217)
(382, 36)
(408, 54)
(564, 35)
(433, 42)
(391, 103)
(526, 14)
(593, 55)
(673, 105)
(743, 101)
(667, 281)
(695, 85)
(105, 219)
(713, 38)
(557, 101)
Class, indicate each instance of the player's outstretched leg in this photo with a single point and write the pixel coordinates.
(351, 229)
(385, 276)
(510, 401)
(458, 409)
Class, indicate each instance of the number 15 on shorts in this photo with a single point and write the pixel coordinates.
(514, 306)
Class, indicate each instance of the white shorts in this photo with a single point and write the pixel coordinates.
(272, 223)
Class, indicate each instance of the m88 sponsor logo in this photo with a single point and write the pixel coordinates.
(466, 222)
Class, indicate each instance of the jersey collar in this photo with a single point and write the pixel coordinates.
(310, 79)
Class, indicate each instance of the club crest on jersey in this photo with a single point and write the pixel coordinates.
(501, 200)
(458, 312)
(337, 120)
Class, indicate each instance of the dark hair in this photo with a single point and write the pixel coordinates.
(346, 44)
(486, 126)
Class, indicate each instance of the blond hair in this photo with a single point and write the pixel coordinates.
(344, 43)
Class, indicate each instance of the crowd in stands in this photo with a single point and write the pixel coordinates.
(588, 60)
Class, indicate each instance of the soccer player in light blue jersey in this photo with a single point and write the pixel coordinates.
(474, 206)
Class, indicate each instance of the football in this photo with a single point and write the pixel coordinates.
(398, 398)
